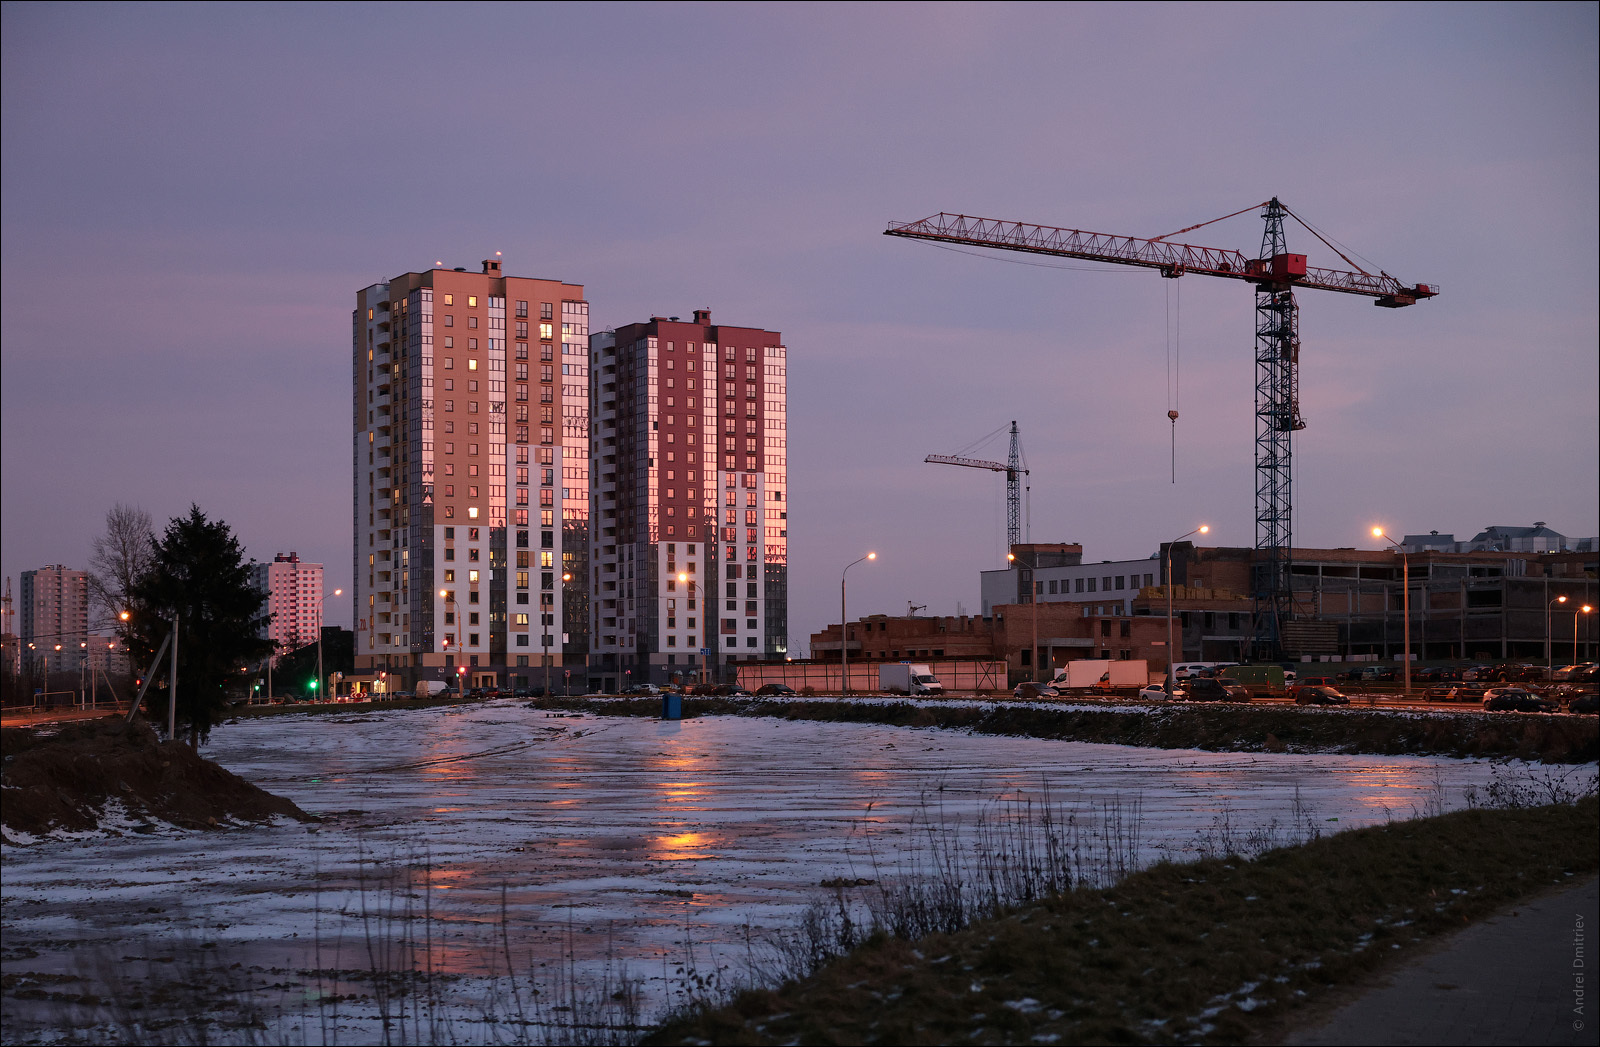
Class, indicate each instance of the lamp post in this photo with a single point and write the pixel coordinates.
(321, 600)
(1549, 642)
(706, 632)
(544, 624)
(1405, 603)
(1172, 659)
(1033, 610)
(844, 631)
(1585, 609)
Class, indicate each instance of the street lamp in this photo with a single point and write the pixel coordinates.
(1405, 602)
(544, 624)
(844, 631)
(1033, 609)
(1585, 609)
(705, 632)
(1549, 657)
(1171, 660)
(321, 683)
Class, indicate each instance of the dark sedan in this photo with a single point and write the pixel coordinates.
(1319, 696)
(1516, 700)
(1222, 689)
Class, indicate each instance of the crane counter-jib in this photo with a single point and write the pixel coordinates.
(1172, 259)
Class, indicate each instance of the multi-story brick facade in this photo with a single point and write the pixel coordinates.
(690, 503)
(471, 421)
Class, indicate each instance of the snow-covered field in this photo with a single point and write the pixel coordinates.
(635, 841)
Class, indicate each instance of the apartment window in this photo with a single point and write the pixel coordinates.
(1105, 628)
(1079, 587)
(449, 320)
(1147, 580)
(522, 308)
(1125, 629)
(449, 299)
(472, 321)
(449, 363)
(1108, 583)
(1052, 588)
(1119, 582)
(1091, 585)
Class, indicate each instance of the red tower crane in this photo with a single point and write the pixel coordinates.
(1276, 274)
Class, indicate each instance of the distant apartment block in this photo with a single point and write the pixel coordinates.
(690, 501)
(53, 619)
(471, 468)
(294, 600)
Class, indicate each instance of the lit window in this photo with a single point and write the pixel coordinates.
(472, 512)
(472, 365)
(472, 299)
(472, 576)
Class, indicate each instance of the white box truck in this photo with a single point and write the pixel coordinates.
(1084, 672)
(429, 688)
(906, 678)
(1102, 673)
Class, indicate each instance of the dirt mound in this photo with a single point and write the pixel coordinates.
(61, 777)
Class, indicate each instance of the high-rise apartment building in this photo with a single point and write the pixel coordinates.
(690, 503)
(471, 475)
(54, 619)
(293, 599)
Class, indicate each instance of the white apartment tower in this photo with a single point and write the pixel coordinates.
(294, 600)
(55, 619)
(471, 476)
(689, 572)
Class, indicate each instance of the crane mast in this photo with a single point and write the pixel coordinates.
(1276, 274)
(1014, 474)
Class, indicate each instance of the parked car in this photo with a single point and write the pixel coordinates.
(1216, 689)
(1478, 672)
(649, 690)
(1587, 703)
(1308, 695)
(1435, 674)
(1158, 693)
(1574, 673)
(1317, 681)
(1370, 674)
(782, 690)
(1519, 672)
(1517, 700)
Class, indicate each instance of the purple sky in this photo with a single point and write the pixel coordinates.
(192, 197)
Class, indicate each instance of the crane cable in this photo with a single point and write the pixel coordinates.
(1174, 359)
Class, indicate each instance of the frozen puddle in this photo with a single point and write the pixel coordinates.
(631, 841)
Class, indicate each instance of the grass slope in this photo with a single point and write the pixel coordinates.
(1212, 952)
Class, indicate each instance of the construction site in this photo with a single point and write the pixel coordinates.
(1426, 597)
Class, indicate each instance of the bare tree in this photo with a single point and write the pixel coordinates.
(121, 556)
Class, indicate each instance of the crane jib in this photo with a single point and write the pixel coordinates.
(1172, 259)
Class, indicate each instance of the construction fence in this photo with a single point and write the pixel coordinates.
(957, 676)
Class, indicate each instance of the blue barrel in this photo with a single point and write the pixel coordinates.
(672, 707)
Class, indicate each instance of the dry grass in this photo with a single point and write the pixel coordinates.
(1210, 952)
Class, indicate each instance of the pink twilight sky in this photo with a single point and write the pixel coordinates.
(192, 196)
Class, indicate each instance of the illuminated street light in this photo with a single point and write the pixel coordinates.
(1405, 602)
(1171, 658)
(844, 631)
